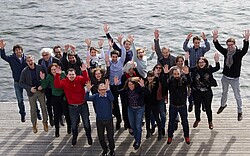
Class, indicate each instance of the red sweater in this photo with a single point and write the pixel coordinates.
(74, 90)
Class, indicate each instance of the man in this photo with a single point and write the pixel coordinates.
(45, 62)
(31, 82)
(57, 50)
(232, 68)
(73, 87)
(195, 52)
(17, 64)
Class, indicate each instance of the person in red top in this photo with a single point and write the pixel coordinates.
(73, 87)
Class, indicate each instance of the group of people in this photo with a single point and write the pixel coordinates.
(63, 84)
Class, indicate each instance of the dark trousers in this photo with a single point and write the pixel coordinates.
(48, 94)
(125, 113)
(60, 107)
(204, 97)
(173, 111)
(109, 126)
(116, 108)
(156, 113)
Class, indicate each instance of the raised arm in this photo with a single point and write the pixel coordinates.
(2, 50)
(245, 42)
(123, 50)
(217, 63)
(185, 44)
(157, 45)
(207, 44)
(57, 82)
(106, 30)
(217, 45)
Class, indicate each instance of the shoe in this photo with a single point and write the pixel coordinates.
(104, 153)
(90, 141)
(148, 134)
(130, 132)
(125, 126)
(112, 153)
(159, 137)
(39, 117)
(187, 140)
(57, 133)
(134, 143)
(23, 119)
(163, 132)
(118, 124)
(221, 109)
(45, 127)
(61, 122)
(35, 129)
(153, 129)
(203, 109)
(196, 123)
(51, 122)
(74, 142)
(169, 140)
(69, 129)
(240, 117)
(175, 125)
(190, 107)
(210, 125)
(137, 145)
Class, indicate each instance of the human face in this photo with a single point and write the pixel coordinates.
(131, 71)
(114, 57)
(140, 54)
(53, 70)
(102, 90)
(197, 44)
(201, 63)
(131, 86)
(127, 45)
(176, 74)
(46, 56)
(158, 70)
(58, 53)
(30, 61)
(150, 79)
(72, 59)
(18, 52)
(93, 53)
(179, 63)
(231, 46)
(98, 74)
(71, 75)
(165, 53)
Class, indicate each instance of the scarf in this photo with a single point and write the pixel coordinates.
(229, 60)
(43, 63)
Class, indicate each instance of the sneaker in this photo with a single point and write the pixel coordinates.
(187, 140)
(35, 129)
(210, 125)
(169, 140)
(39, 117)
(45, 127)
(74, 142)
(61, 121)
(190, 107)
(137, 145)
(240, 117)
(90, 141)
(134, 144)
(153, 129)
(196, 123)
(23, 119)
(221, 109)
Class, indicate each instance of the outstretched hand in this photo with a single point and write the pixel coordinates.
(156, 34)
(2, 44)
(88, 42)
(100, 43)
(88, 85)
(215, 35)
(189, 36)
(83, 67)
(107, 84)
(187, 55)
(131, 38)
(203, 35)
(246, 35)
(106, 28)
(119, 39)
(141, 82)
(216, 57)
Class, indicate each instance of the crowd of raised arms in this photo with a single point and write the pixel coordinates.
(62, 84)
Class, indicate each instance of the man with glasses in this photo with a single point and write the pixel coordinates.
(232, 68)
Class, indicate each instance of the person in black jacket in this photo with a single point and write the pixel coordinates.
(232, 68)
(202, 81)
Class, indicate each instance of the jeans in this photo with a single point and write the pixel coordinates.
(135, 116)
(235, 84)
(40, 96)
(83, 110)
(149, 110)
(109, 126)
(173, 111)
(162, 107)
(19, 96)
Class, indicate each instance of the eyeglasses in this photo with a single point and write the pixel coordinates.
(157, 67)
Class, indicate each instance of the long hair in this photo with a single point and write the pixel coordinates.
(134, 80)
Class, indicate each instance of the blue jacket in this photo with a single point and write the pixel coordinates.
(16, 64)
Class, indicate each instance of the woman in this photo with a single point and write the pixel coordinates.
(58, 99)
(202, 82)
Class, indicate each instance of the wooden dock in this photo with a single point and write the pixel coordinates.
(229, 137)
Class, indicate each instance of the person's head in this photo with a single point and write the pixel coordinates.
(30, 60)
(98, 73)
(231, 44)
(46, 53)
(179, 61)
(93, 51)
(202, 63)
(114, 55)
(140, 53)
(157, 69)
(132, 83)
(71, 74)
(57, 50)
(165, 52)
(102, 89)
(127, 44)
(150, 76)
(52, 69)
(72, 58)
(18, 50)
(196, 42)
(129, 67)
(176, 73)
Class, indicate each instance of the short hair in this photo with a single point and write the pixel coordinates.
(230, 40)
(30, 56)
(114, 52)
(138, 49)
(127, 40)
(47, 50)
(101, 85)
(71, 70)
(17, 47)
(52, 65)
(164, 48)
(196, 38)
(55, 47)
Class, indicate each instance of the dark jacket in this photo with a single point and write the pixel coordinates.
(26, 79)
(15, 64)
(66, 64)
(151, 98)
(235, 69)
(54, 60)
